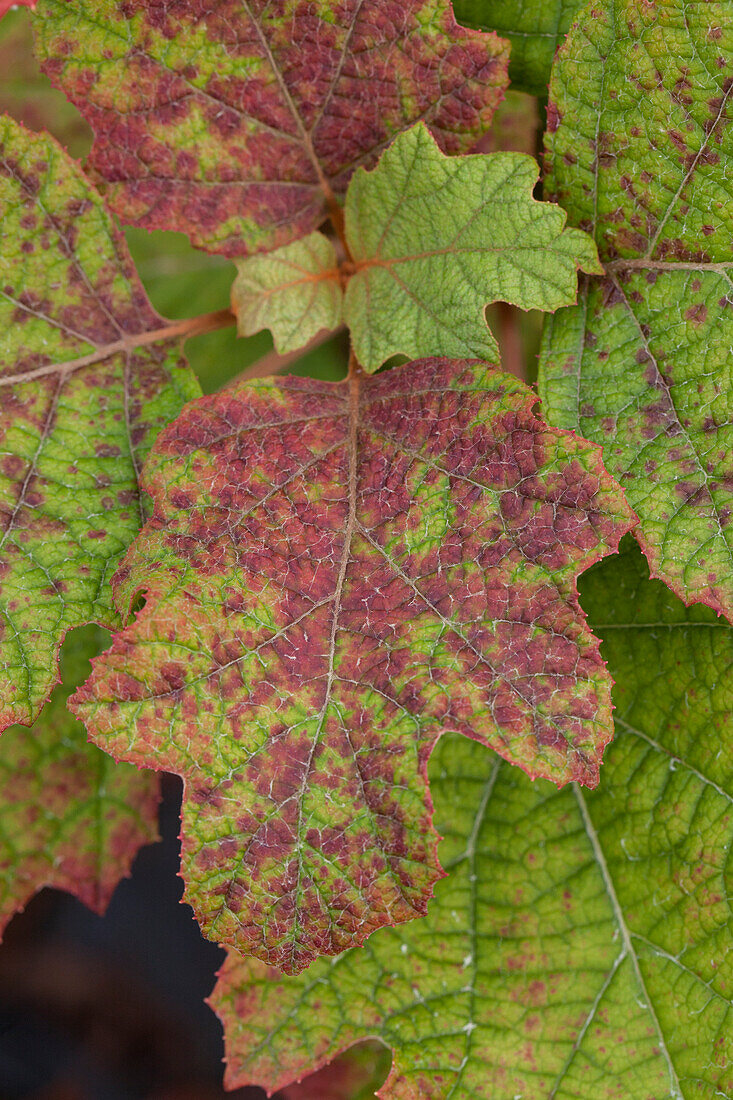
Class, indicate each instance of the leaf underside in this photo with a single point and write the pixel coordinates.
(71, 817)
(334, 575)
(241, 123)
(639, 143)
(72, 438)
(580, 944)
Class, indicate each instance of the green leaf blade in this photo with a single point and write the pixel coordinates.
(75, 432)
(535, 30)
(294, 291)
(638, 141)
(580, 944)
(435, 239)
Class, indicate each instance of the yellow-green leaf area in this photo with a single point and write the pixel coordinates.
(435, 239)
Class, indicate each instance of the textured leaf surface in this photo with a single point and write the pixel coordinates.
(240, 123)
(535, 29)
(580, 946)
(639, 145)
(294, 291)
(333, 575)
(435, 238)
(72, 436)
(71, 817)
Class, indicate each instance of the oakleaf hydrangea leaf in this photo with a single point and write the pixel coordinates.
(71, 817)
(240, 123)
(640, 141)
(81, 405)
(295, 291)
(580, 946)
(535, 29)
(435, 238)
(333, 575)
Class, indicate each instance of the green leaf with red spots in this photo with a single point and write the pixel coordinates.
(431, 241)
(71, 817)
(81, 405)
(335, 574)
(241, 123)
(639, 145)
(580, 945)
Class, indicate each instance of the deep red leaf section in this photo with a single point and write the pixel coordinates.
(334, 575)
(239, 121)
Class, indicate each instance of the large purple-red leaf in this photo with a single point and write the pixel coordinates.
(239, 122)
(334, 575)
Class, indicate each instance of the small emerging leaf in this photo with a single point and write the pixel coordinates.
(240, 123)
(580, 946)
(434, 239)
(71, 817)
(294, 291)
(335, 574)
(81, 405)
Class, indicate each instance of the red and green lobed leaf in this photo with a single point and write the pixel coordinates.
(81, 407)
(73, 437)
(639, 146)
(334, 575)
(240, 123)
(580, 944)
(71, 817)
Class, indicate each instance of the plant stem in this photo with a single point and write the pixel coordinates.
(191, 326)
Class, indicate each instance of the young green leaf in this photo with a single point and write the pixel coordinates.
(294, 291)
(81, 405)
(71, 817)
(580, 946)
(433, 239)
(240, 123)
(535, 29)
(639, 144)
(334, 574)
